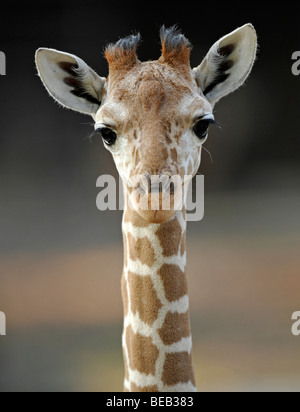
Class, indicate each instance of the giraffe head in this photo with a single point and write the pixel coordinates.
(152, 116)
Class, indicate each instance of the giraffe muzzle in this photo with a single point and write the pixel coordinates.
(157, 184)
(157, 198)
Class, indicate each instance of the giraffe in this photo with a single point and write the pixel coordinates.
(154, 118)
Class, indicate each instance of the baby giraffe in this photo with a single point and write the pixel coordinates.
(154, 118)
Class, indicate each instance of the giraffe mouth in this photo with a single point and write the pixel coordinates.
(157, 198)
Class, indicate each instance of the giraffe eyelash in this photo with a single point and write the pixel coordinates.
(209, 119)
(201, 126)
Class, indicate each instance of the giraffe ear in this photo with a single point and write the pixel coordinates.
(69, 80)
(228, 63)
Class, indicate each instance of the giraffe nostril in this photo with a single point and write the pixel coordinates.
(164, 183)
(145, 182)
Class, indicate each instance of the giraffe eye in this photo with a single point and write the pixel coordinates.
(108, 135)
(201, 127)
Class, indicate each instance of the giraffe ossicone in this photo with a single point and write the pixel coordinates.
(154, 118)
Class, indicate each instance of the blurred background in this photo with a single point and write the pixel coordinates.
(61, 259)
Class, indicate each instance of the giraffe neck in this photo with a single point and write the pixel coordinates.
(157, 340)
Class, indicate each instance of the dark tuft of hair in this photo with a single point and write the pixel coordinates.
(175, 46)
(129, 43)
(123, 53)
(173, 39)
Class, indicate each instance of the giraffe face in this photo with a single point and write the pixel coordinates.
(152, 116)
(156, 120)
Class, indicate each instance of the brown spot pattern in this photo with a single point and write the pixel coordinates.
(141, 250)
(143, 298)
(142, 353)
(175, 327)
(169, 235)
(174, 155)
(133, 217)
(168, 140)
(174, 281)
(177, 369)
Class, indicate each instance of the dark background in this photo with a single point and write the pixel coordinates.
(56, 249)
